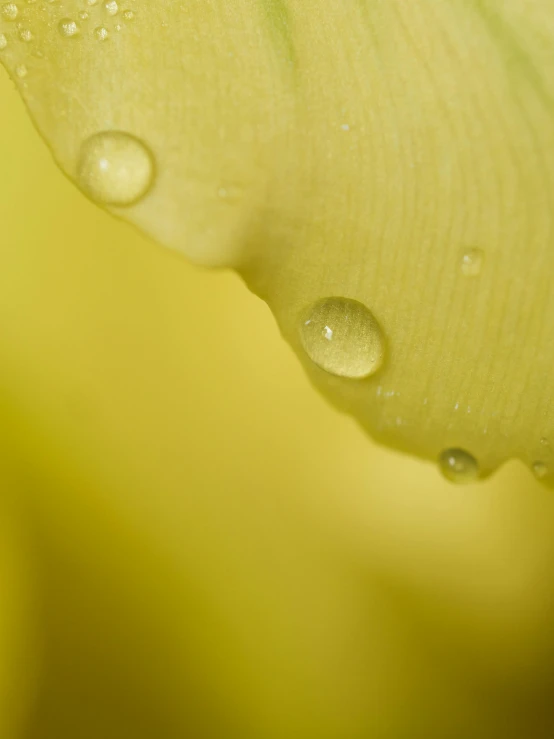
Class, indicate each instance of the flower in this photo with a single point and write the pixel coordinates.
(205, 548)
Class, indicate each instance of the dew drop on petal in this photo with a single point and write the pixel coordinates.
(115, 168)
(459, 466)
(10, 11)
(25, 35)
(342, 337)
(471, 263)
(112, 7)
(101, 33)
(68, 28)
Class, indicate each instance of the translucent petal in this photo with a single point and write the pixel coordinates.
(324, 148)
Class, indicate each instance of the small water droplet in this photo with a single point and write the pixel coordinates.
(25, 35)
(459, 466)
(21, 71)
(540, 470)
(115, 168)
(112, 7)
(472, 262)
(544, 441)
(128, 15)
(83, 15)
(3, 42)
(101, 33)
(68, 28)
(10, 11)
(117, 27)
(342, 337)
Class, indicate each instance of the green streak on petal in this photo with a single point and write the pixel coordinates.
(278, 15)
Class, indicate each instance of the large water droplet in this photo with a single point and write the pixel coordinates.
(342, 337)
(115, 168)
(459, 466)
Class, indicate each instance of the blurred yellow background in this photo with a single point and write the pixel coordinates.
(193, 543)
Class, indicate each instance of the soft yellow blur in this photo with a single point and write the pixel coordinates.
(202, 547)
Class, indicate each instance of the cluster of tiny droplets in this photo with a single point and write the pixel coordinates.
(108, 15)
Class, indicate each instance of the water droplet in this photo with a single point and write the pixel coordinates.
(101, 33)
(472, 262)
(128, 15)
(83, 15)
(25, 35)
(117, 27)
(112, 7)
(3, 42)
(68, 28)
(540, 470)
(10, 11)
(544, 441)
(342, 337)
(21, 71)
(115, 168)
(458, 466)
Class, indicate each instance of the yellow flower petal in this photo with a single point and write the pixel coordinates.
(395, 153)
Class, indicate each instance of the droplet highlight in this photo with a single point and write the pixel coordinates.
(3, 42)
(115, 168)
(458, 466)
(471, 262)
(342, 336)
